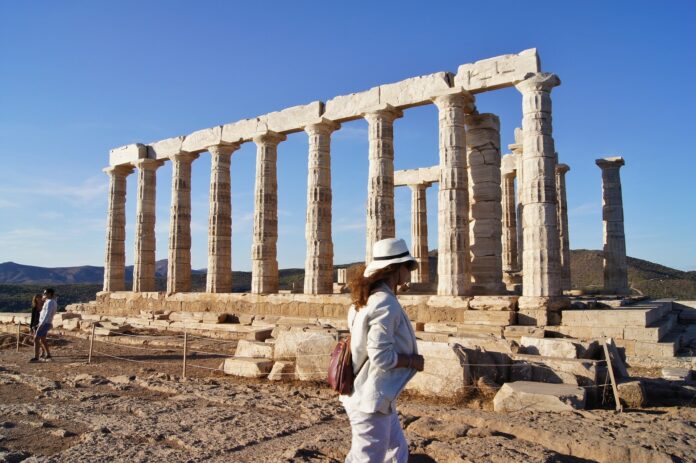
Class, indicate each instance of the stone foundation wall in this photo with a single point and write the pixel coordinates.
(477, 310)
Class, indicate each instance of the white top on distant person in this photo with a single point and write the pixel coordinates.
(48, 311)
(385, 354)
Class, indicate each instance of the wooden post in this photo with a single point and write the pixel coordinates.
(614, 387)
(183, 372)
(19, 327)
(91, 344)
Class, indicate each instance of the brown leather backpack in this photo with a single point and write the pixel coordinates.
(341, 375)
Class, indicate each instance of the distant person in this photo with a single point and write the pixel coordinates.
(36, 305)
(49, 309)
(385, 354)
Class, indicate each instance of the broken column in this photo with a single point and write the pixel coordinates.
(145, 242)
(564, 239)
(264, 263)
(219, 277)
(179, 262)
(485, 214)
(115, 259)
(509, 223)
(615, 266)
(419, 233)
(319, 261)
(453, 266)
(541, 280)
(380, 183)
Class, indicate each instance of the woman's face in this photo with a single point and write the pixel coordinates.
(404, 275)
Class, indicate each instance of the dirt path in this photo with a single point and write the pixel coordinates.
(118, 410)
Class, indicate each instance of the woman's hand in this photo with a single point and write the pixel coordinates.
(415, 361)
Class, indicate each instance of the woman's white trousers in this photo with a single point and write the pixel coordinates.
(376, 438)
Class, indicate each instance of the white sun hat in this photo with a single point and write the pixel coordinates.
(387, 252)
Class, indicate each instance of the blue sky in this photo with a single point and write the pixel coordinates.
(78, 78)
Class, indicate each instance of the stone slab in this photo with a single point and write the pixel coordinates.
(164, 148)
(498, 72)
(443, 375)
(546, 347)
(127, 154)
(282, 370)
(201, 140)
(313, 356)
(417, 176)
(288, 340)
(415, 91)
(253, 349)
(526, 395)
(248, 368)
(583, 372)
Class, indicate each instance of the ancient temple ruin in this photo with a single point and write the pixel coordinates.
(502, 220)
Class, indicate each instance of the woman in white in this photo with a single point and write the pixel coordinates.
(385, 355)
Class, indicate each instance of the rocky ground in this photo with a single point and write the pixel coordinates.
(126, 410)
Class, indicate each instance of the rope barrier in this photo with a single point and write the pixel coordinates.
(128, 346)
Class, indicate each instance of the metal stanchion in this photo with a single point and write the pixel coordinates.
(19, 327)
(183, 372)
(91, 344)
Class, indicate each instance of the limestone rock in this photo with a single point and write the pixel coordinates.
(248, 368)
(253, 349)
(282, 369)
(287, 342)
(549, 347)
(313, 356)
(632, 394)
(525, 395)
(443, 375)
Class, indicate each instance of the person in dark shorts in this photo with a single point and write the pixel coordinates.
(49, 309)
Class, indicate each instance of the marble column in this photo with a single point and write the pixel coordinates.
(453, 265)
(615, 265)
(380, 183)
(516, 149)
(219, 277)
(485, 211)
(541, 280)
(509, 220)
(319, 260)
(264, 260)
(563, 236)
(145, 241)
(179, 260)
(115, 259)
(419, 233)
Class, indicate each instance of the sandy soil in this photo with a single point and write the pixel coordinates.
(118, 410)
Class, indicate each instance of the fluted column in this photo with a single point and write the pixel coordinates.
(453, 265)
(179, 260)
(219, 277)
(485, 212)
(516, 149)
(145, 241)
(541, 247)
(509, 239)
(264, 260)
(419, 233)
(563, 235)
(115, 259)
(319, 260)
(615, 265)
(380, 183)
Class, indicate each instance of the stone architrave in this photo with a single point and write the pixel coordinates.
(144, 240)
(115, 259)
(319, 260)
(380, 183)
(541, 257)
(485, 211)
(564, 238)
(419, 233)
(453, 267)
(615, 265)
(179, 262)
(219, 277)
(509, 219)
(264, 263)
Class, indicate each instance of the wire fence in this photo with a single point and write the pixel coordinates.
(186, 347)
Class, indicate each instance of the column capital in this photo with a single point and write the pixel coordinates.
(456, 96)
(539, 82)
(610, 163)
(122, 170)
(183, 156)
(322, 125)
(419, 186)
(147, 164)
(223, 149)
(385, 111)
(562, 168)
(268, 137)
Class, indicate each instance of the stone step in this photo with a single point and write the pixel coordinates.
(652, 333)
(655, 332)
(638, 316)
(527, 395)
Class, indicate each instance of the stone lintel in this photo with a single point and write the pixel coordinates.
(422, 176)
(127, 154)
(508, 164)
(164, 149)
(200, 140)
(610, 162)
(498, 72)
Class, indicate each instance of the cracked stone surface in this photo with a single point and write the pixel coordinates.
(118, 410)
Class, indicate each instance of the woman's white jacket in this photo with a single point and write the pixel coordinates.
(379, 332)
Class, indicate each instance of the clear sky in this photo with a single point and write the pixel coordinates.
(78, 78)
